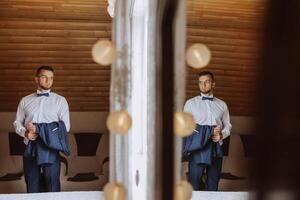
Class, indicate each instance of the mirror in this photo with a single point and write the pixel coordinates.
(61, 34)
(233, 31)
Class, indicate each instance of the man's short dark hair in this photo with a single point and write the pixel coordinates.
(44, 67)
(205, 73)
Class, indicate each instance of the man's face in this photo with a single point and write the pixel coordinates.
(44, 80)
(206, 84)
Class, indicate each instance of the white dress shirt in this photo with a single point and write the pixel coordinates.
(41, 109)
(212, 113)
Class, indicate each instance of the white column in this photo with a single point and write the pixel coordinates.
(138, 147)
(132, 162)
(134, 86)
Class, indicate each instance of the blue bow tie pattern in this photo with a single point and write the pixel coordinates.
(42, 94)
(207, 98)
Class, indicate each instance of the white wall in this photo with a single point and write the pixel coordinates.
(96, 121)
(242, 125)
(80, 121)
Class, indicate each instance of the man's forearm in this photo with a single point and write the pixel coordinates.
(19, 128)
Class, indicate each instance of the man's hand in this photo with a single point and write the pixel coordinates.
(31, 128)
(217, 135)
(31, 132)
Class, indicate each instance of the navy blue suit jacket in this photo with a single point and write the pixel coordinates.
(53, 137)
(199, 146)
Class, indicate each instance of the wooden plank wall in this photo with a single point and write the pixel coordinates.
(232, 29)
(62, 32)
(58, 33)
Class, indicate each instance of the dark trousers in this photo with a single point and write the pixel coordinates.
(213, 172)
(33, 178)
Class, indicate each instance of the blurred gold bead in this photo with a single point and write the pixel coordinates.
(198, 56)
(119, 122)
(103, 52)
(184, 124)
(114, 191)
(183, 191)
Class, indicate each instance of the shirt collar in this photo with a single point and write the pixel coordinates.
(43, 91)
(203, 95)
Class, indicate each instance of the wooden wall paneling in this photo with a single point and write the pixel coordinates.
(58, 33)
(233, 31)
(61, 33)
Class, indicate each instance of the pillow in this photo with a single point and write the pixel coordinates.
(248, 144)
(225, 146)
(81, 177)
(16, 144)
(87, 143)
(230, 176)
(11, 176)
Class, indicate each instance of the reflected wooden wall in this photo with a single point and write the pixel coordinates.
(232, 29)
(58, 33)
(62, 32)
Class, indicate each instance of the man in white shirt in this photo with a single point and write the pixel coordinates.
(43, 106)
(208, 110)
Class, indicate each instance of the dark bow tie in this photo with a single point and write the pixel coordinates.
(42, 94)
(207, 98)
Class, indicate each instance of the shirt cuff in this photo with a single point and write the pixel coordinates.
(22, 131)
(225, 134)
